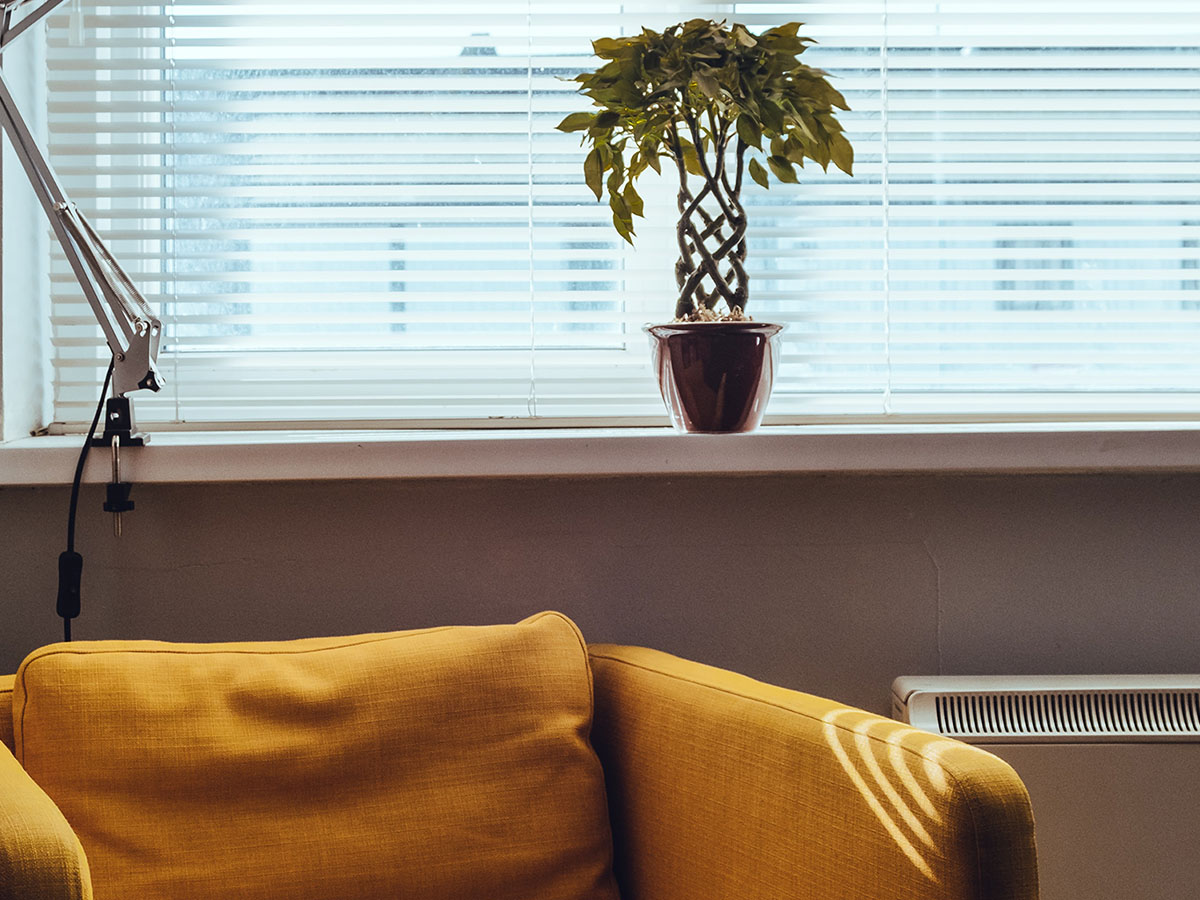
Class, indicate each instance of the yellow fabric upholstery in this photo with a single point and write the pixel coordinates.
(40, 857)
(722, 787)
(6, 723)
(455, 763)
(445, 763)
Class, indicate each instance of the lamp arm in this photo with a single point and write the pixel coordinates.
(130, 327)
(10, 30)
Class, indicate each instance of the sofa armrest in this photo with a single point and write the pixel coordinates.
(40, 857)
(725, 788)
(6, 724)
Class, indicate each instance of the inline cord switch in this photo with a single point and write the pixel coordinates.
(70, 575)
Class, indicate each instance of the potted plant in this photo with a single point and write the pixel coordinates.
(709, 97)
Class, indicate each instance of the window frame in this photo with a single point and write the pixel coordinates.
(17, 418)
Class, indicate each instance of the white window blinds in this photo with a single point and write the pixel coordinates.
(363, 212)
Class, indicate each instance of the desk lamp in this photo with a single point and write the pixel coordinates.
(129, 325)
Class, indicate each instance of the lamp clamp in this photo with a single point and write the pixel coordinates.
(119, 426)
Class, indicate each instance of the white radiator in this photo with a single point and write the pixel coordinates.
(1112, 764)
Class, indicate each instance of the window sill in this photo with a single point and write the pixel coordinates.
(341, 455)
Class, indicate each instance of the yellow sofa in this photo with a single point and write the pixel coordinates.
(495, 762)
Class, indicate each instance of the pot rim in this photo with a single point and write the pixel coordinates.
(668, 328)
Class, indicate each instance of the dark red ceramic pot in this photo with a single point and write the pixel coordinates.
(715, 377)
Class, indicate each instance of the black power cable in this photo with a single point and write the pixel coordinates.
(70, 563)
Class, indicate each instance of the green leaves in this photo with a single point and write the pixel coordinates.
(622, 216)
(749, 130)
(633, 200)
(784, 39)
(708, 83)
(690, 160)
(607, 119)
(593, 172)
(692, 92)
(742, 36)
(783, 169)
(771, 115)
(758, 173)
(576, 122)
(842, 153)
(609, 48)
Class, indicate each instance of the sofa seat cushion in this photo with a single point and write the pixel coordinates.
(444, 763)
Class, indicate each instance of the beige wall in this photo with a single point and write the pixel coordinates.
(829, 584)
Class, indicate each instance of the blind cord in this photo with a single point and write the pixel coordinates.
(70, 563)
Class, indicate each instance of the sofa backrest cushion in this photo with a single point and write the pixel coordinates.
(444, 763)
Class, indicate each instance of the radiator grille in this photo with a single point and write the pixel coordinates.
(1069, 713)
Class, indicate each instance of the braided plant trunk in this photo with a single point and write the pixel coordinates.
(711, 230)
